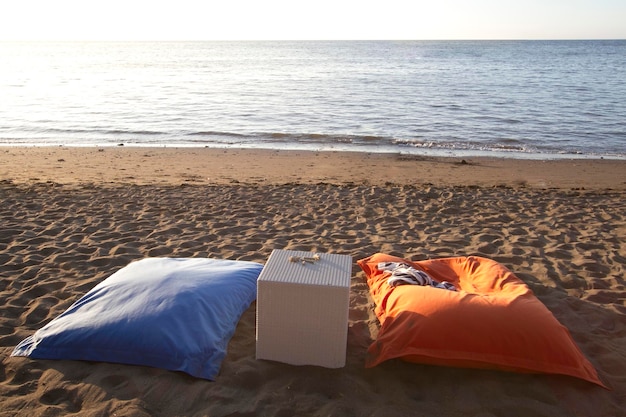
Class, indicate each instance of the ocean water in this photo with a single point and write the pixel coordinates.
(522, 99)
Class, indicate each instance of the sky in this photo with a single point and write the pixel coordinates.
(311, 19)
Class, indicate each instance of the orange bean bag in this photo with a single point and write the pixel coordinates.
(492, 321)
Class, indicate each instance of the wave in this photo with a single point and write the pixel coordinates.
(475, 143)
(92, 132)
(210, 133)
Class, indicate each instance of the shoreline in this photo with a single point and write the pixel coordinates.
(148, 165)
(424, 152)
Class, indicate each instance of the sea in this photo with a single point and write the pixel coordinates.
(510, 99)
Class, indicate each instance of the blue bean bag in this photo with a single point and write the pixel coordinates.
(172, 313)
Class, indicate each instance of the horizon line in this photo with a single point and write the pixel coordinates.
(320, 40)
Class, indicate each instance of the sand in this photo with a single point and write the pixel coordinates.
(70, 217)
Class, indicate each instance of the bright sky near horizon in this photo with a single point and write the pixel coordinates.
(314, 20)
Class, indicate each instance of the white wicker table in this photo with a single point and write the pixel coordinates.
(302, 308)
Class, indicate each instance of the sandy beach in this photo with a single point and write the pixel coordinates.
(73, 216)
